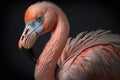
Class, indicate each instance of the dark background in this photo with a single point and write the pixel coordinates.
(82, 16)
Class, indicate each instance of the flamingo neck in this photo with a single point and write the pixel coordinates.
(47, 61)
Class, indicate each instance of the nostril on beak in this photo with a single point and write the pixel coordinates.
(26, 31)
(22, 38)
(25, 34)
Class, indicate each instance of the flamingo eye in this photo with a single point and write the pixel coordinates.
(40, 19)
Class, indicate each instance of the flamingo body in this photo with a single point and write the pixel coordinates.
(91, 58)
(91, 55)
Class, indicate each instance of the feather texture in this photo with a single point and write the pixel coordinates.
(91, 56)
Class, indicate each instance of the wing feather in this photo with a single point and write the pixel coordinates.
(95, 63)
(85, 40)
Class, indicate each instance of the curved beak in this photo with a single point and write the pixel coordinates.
(30, 34)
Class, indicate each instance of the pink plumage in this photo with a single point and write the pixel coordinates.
(91, 55)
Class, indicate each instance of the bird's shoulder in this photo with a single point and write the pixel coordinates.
(84, 40)
(96, 60)
(94, 53)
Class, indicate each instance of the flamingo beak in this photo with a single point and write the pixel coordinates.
(30, 34)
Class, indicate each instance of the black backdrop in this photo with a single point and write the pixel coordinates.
(82, 16)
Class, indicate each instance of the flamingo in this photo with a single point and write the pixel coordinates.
(91, 55)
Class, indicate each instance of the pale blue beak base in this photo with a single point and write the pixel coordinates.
(36, 26)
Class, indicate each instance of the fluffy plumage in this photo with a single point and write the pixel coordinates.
(91, 56)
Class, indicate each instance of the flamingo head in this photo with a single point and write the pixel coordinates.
(39, 19)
